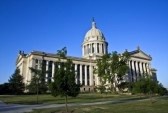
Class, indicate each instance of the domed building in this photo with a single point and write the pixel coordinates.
(93, 47)
(94, 43)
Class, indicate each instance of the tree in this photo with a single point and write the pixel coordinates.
(38, 79)
(148, 86)
(64, 78)
(162, 90)
(103, 71)
(32, 87)
(37, 84)
(112, 67)
(4, 89)
(16, 85)
(118, 68)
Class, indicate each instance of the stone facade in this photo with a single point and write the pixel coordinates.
(93, 47)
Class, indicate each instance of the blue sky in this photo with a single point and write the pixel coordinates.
(49, 25)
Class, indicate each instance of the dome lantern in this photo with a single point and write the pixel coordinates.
(93, 23)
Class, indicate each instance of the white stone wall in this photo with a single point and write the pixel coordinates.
(137, 68)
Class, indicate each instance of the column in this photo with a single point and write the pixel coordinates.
(137, 70)
(86, 75)
(133, 69)
(147, 67)
(129, 74)
(100, 49)
(47, 72)
(144, 69)
(80, 74)
(53, 69)
(95, 45)
(90, 48)
(91, 74)
(76, 78)
(141, 70)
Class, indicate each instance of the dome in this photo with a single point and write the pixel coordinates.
(94, 43)
(94, 33)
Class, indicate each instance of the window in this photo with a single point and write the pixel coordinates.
(93, 48)
(97, 47)
(83, 74)
(102, 48)
(36, 61)
(78, 73)
(88, 74)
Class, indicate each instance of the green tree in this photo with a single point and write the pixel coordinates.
(118, 68)
(64, 78)
(148, 86)
(38, 79)
(103, 71)
(37, 84)
(162, 90)
(16, 85)
(32, 87)
(112, 67)
(4, 89)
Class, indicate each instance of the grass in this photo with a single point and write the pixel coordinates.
(126, 105)
(31, 99)
(146, 106)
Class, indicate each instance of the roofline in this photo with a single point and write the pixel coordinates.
(57, 56)
(137, 51)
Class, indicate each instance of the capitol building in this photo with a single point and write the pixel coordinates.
(93, 47)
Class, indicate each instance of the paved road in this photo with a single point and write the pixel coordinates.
(17, 108)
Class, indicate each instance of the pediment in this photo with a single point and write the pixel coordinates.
(140, 54)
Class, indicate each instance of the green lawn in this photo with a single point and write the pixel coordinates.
(126, 105)
(31, 99)
(160, 105)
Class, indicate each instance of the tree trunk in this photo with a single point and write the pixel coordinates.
(66, 106)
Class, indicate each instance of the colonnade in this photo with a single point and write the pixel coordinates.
(138, 69)
(94, 48)
(83, 72)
